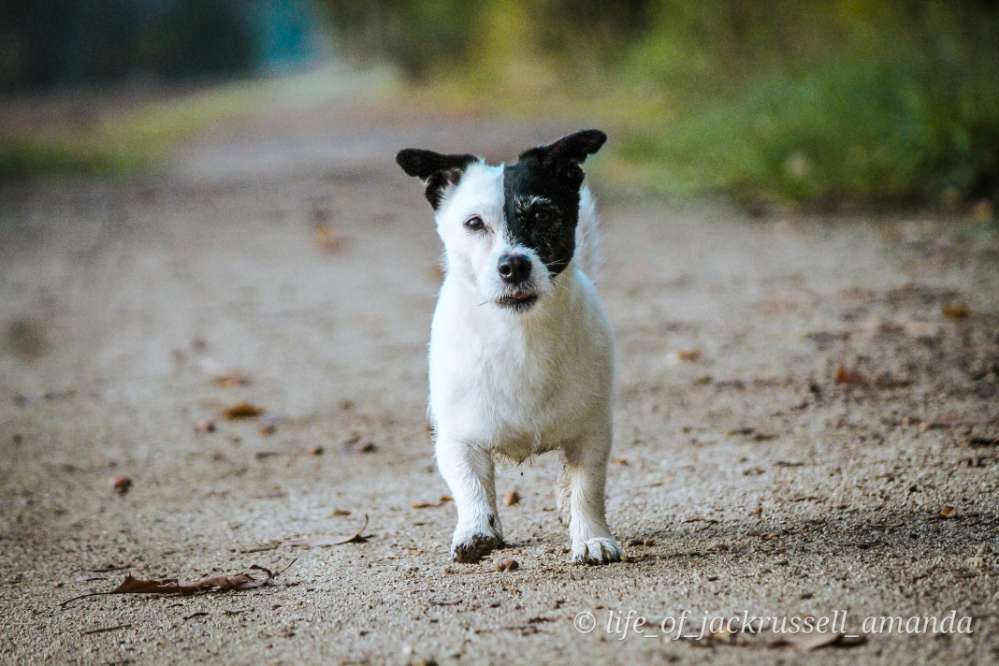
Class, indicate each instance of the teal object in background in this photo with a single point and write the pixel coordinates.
(85, 42)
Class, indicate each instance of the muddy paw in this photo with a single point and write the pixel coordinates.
(474, 548)
(599, 550)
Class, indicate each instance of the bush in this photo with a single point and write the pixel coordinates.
(833, 101)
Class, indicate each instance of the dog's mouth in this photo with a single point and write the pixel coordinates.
(518, 300)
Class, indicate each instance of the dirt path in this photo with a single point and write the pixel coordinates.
(746, 478)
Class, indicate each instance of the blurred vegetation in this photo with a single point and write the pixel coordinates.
(74, 42)
(73, 50)
(827, 102)
(123, 142)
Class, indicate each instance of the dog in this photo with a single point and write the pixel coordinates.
(521, 350)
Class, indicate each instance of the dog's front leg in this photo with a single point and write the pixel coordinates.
(583, 482)
(468, 471)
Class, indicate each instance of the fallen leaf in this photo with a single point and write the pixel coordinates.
(507, 565)
(121, 484)
(326, 238)
(341, 512)
(620, 461)
(947, 512)
(242, 410)
(231, 379)
(511, 498)
(101, 630)
(323, 541)
(267, 429)
(422, 504)
(205, 425)
(315, 451)
(956, 310)
(849, 377)
(356, 443)
(678, 356)
(808, 642)
(208, 584)
(889, 382)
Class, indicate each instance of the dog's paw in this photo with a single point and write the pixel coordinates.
(472, 542)
(468, 549)
(599, 550)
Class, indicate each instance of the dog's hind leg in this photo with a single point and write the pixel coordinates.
(469, 473)
(585, 475)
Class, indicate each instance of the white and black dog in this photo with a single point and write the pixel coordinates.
(521, 351)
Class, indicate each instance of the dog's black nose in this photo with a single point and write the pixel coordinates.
(514, 268)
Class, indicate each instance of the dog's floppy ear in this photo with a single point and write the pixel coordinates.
(572, 148)
(437, 171)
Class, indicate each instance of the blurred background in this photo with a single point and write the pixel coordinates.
(828, 104)
(216, 287)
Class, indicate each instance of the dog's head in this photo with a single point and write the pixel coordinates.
(509, 230)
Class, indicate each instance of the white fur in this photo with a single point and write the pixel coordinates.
(512, 385)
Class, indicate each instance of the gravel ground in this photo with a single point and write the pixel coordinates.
(806, 420)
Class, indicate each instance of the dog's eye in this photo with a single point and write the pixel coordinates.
(475, 223)
(542, 215)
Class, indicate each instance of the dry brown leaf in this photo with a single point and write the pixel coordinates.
(423, 504)
(323, 541)
(889, 382)
(341, 512)
(849, 377)
(102, 630)
(678, 356)
(267, 429)
(121, 484)
(231, 379)
(208, 584)
(947, 512)
(326, 238)
(316, 541)
(815, 641)
(204, 425)
(315, 451)
(242, 410)
(507, 565)
(620, 461)
(511, 498)
(955, 310)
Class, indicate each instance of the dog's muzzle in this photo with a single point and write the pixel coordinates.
(518, 299)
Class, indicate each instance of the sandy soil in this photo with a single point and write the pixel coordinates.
(746, 478)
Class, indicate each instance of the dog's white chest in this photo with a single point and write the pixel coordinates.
(518, 390)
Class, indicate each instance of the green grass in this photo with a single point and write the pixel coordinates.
(125, 143)
(852, 132)
(140, 139)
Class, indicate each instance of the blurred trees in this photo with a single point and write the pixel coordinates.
(853, 100)
(71, 42)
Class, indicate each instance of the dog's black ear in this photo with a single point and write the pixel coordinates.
(572, 148)
(437, 171)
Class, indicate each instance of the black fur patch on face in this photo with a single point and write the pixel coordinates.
(541, 196)
(437, 171)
